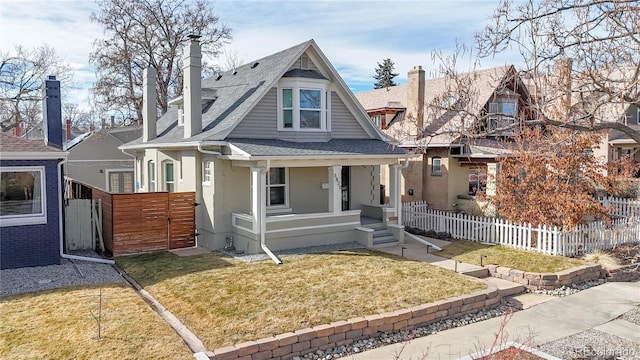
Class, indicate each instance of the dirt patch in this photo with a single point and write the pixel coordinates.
(626, 254)
(512, 353)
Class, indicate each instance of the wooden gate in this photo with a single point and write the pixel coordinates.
(182, 225)
(82, 223)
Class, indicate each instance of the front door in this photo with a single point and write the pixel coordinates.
(345, 187)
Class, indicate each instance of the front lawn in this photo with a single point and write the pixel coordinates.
(470, 252)
(225, 301)
(57, 324)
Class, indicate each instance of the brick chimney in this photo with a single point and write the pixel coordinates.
(149, 104)
(415, 96)
(562, 71)
(67, 127)
(192, 90)
(52, 112)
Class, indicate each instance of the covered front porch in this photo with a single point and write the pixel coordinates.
(315, 202)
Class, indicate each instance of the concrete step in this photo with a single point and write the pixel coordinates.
(506, 288)
(480, 273)
(526, 300)
(386, 242)
(381, 233)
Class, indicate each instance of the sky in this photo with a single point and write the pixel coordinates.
(354, 35)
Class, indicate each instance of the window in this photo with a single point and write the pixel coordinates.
(638, 115)
(168, 176)
(477, 181)
(22, 196)
(207, 170)
(120, 181)
(277, 187)
(377, 120)
(303, 106)
(436, 166)
(152, 176)
(502, 114)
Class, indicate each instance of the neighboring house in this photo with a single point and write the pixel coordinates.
(427, 116)
(30, 192)
(95, 160)
(279, 153)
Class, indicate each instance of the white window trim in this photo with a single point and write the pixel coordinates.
(278, 208)
(204, 166)
(637, 115)
(28, 219)
(164, 175)
(152, 176)
(377, 120)
(433, 162)
(296, 86)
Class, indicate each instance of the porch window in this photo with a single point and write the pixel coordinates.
(207, 170)
(152, 176)
(168, 176)
(436, 166)
(303, 105)
(22, 196)
(277, 188)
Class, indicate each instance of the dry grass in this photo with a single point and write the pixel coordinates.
(56, 324)
(470, 252)
(226, 302)
(605, 260)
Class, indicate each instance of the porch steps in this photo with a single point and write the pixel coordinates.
(381, 235)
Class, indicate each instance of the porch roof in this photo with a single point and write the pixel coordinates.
(334, 147)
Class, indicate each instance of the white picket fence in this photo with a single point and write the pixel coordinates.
(543, 239)
(621, 207)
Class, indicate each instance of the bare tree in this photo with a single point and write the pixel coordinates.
(22, 72)
(141, 33)
(597, 41)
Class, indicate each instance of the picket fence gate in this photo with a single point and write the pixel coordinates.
(544, 239)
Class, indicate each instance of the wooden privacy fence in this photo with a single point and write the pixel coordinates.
(543, 239)
(83, 224)
(141, 222)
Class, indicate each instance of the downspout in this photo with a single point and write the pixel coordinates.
(399, 197)
(61, 228)
(263, 220)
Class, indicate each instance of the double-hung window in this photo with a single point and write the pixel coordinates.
(303, 105)
(436, 166)
(22, 196)
(152, 176)
(207, 171)
(277, 187)
(169, 184)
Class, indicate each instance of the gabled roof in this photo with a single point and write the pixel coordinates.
(12, 147)
(239, 90)
(122, 134)
(447, 124)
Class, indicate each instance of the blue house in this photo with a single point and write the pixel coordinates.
(30, 191)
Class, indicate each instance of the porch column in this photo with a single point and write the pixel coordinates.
(335, 189)
(492, 176)
(394, 191)
(258, 191)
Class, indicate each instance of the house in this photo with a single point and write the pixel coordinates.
(30, 191)
(279, 152)
(95, 160)
(432, 116)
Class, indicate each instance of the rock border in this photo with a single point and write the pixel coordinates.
(548, 281)
(321, 337)
(623, 273)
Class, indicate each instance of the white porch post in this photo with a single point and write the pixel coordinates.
(257, 198)
(394, 191)
(335, 189)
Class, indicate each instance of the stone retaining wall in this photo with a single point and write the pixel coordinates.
(339, 333)
(623, 273)
(547, 281)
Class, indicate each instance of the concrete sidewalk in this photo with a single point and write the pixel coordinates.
(597, 307)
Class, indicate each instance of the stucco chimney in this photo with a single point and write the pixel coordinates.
(52, 111)
(562, 71)
(149, 104)
(415, 96)
(192, 90)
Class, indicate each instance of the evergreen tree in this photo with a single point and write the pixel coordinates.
(384, 75)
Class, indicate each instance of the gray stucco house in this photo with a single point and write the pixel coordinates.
(279, 153)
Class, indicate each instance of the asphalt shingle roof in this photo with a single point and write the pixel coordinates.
(346, 147)
(13, 144)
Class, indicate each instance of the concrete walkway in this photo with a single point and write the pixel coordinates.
(597, 307)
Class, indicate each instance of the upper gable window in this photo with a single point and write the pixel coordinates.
(302, 105)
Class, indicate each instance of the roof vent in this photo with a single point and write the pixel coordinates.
(193, 36)
(235, 71)
(218, 77)
(255, 64)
